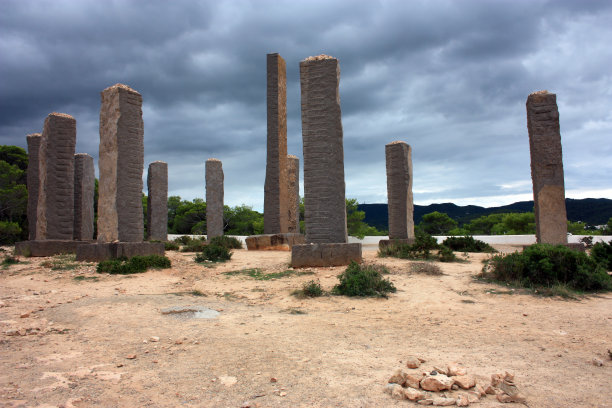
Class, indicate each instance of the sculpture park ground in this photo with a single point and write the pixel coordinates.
(71, 337)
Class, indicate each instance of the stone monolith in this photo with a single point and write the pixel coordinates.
(157, 201)
(276, 184)
(214, 198)
(324, 200)
(293, 193)
(399, 190)
(84, 185)
(121, 165)
(55, 209)
(32, 181)
(547, 168)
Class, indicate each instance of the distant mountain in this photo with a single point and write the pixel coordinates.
(593, 211)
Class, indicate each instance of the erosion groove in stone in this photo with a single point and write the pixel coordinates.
(157, 201)
(293, 193)
(84, 185)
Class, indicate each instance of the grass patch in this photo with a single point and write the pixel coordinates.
(426, 268)
(310, 289)
(136, 264)
(64, 262)
(80, 278)
(258, 274)
(8, 261)
(467, 244)
(365, 280)
(213, 253)
(197, 292)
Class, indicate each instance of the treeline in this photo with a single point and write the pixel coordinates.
(13, 194)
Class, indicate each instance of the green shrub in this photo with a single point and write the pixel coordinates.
(214, 253)
(135, 264)
(309, 289)
(602, 254)
(194, 245)
(421, 249)
(9, 260)
(467, 244)
(445, 254)
(171, 246)
(546, 265)
(366, 280)
(227, 242)
(10, 232)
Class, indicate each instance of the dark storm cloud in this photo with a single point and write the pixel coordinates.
(450, 78)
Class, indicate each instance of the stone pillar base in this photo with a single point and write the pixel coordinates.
(48, 247)
(324, 254)
(386, 242)
(112, 250)
(274, 242)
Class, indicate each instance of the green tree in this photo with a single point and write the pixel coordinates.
(515, 224)
(354, 221)
(187, 215)
(242, 220)
(437, 223)
(483, 225)
(13, 193)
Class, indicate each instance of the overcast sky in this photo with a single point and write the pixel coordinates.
(450, 78)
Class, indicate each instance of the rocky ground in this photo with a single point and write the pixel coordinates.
(71, 337)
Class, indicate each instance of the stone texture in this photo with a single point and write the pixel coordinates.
(547, 168)
(121, 164)
(47, 247)
(293, 193)
(465, 381)
(102, 251)
(413, 394)
(214, 198)
(413, 380)
(398, 377)
(157, 201)
(412, 362)
(32, 181)
(273, 242)
(443, 401)
(456, 369)
(84, 186)
(55, 209)
(438, 382)
(276, 186)
(325, 254)
(324, 188)
(399, 190)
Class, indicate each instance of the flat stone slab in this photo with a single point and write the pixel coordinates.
(386, 242)
(112, 250)
(274, 242)
(48, 247)
(324, 254)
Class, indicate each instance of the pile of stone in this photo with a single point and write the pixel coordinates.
(448, 385)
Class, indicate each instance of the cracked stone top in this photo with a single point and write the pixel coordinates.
(544, 92)
(61, 115)
(396, 142)
(213, 160)
(319, 58)
(291, 156)
(121, 86)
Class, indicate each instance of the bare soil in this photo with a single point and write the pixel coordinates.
(87, 339)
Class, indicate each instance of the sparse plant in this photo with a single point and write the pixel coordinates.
(309, 289)
(366, 280)
(426, 268)
(135, 264)
(9, 260)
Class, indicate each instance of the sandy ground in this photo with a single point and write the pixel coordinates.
(87, 341)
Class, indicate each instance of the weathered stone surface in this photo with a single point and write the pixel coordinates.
(273, 242)
(443, 401)
(390, 387)
(32, 181)
(412, 362)
(324, 188)
(547, 168)
(463, 400)
(438, 382)
(399, 190)
(414, 394)
(293, 193)
(55, 209)
(324, 254)
(121, 163)
(398, 377)
(465, 381)
(214, 198)
(157, 201)
(276, 202)
(84, 186)
(456, 369)
(413, 380)
(47, 247)
(101, 251)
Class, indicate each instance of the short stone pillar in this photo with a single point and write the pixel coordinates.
(121, 164)
(84, 186)
(324, 199)
(293, 193)
(547, 168)
(32, 181)
(275, 188)
(214, 198)
(399, 192)
(55, 209)
(157, 201)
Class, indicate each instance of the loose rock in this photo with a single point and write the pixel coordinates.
(437, 382)
(443, 402)
(597, 362)
(462, 400)
(399, 377)
(413, 380)
(473, 396)
(428, 401)
(398, 393)
(456, 369)
(465, 381)
(413, 362)
(414, 394)
(390, 387)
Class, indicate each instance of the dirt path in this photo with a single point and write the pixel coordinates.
(74, 348)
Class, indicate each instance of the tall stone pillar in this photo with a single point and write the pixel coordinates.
(275, 188)
(325, 204)
(399, 191)
(84, 186)
(547, 168)
(293, 193)
(324, 201)
(121, 164)
(214, 198)
(33, 180)
(55, 209)
(157, 201)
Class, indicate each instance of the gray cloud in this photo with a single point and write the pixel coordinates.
(450, 78)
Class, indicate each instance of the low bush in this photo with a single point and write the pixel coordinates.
(309, 289)
(183, 239)
(365, 280)
(171, 246)
(213, 253)
(467, 244)
(9, 260)
(426, 268)
(543, 265)
(10, 232)
(421, 249)
(227, 242)
(602, 254)
(445, 254)
(135, 264)
(194, 245)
